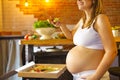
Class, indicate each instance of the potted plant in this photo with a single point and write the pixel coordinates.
(44, 28)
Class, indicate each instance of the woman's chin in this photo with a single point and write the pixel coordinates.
(80, 8)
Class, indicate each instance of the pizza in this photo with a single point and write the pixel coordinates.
(43, 68)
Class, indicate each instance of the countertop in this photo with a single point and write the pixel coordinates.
(11, 35)
(54, 42)
(117, 39)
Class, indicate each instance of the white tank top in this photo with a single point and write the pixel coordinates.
(87, 37)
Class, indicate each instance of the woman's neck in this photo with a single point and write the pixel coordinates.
(88, 18)
(89, 14)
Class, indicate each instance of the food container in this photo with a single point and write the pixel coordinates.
(47, 71)
(115, 33)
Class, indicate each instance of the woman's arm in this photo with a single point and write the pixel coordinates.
(103, 27)
(66, 32)
(69, 34)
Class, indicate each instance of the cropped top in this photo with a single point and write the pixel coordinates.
(87, 37)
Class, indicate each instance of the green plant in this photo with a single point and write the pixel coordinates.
(43, 24)
(116, 28)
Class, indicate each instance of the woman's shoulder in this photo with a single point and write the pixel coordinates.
(102, 20)
(101, 17)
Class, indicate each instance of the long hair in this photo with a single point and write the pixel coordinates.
(97, 9)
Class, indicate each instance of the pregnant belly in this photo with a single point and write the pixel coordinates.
(80, 59)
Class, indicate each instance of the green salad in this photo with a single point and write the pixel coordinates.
(43, 24)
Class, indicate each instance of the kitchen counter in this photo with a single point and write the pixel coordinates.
(11, 35)
(52, 42)
(47, 57)
(117, 39)
(29, 44)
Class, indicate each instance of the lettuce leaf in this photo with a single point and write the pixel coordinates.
(43, 24)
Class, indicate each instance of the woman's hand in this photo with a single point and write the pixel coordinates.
(55, 21)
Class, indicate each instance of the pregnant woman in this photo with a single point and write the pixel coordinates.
(95, 47)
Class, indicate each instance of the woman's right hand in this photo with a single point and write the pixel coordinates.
(55, 21)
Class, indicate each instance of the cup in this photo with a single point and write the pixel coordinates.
(115, 33)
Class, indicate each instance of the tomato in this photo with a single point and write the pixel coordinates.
(30, 36)
(26, 37)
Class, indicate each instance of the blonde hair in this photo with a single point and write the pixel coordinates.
(98, 9)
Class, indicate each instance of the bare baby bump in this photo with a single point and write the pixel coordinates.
(80, 58)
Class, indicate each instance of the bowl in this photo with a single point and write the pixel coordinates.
(45, 33)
